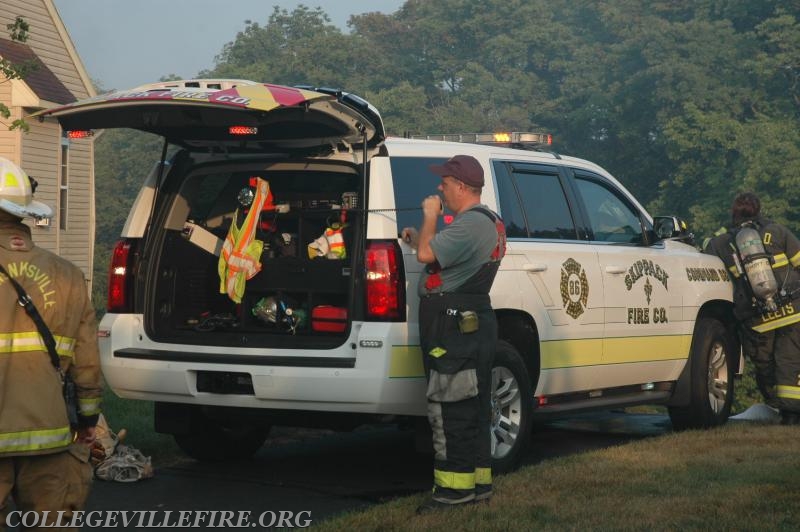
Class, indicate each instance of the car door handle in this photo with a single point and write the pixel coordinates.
(615, 270)
(535, 267)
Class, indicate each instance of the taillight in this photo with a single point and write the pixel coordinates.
(385, 286)
(120, 278)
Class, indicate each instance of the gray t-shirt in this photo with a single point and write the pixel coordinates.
(461, 248)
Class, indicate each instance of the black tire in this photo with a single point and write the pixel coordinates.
(712, 373)
(212, 440)
(512, 402)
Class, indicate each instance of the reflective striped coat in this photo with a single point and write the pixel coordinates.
(33, 416)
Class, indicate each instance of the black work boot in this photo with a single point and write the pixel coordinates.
(433, 505)
(789, 418)
(483, 493)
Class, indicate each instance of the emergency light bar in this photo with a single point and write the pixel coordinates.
(509, 139)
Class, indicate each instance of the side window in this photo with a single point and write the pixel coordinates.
(510, 206)
(412, 181)
(611, 218)
(533, 203)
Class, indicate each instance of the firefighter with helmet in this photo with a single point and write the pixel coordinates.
(762, 258)
(44, 457)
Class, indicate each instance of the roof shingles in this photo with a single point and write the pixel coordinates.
(40, 79)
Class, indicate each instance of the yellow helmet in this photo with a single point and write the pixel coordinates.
(16, 193)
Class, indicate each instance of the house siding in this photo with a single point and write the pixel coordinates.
(9, 140)
(38, 152)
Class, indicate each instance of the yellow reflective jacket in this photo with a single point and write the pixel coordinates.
(33, 416)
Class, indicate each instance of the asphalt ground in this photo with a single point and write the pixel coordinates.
(323, 473)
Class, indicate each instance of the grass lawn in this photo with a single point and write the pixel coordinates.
(741, 476)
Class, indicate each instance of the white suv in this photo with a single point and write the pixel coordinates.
(596, 307)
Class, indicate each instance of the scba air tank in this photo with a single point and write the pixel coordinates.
(757, 266)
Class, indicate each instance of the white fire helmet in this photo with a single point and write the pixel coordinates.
(16, 193)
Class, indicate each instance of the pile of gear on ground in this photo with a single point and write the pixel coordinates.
(113, 460)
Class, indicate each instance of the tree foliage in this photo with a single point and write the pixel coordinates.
(686, 102)
(18, 32)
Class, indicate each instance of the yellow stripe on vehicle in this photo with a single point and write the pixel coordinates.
(260, 97)
(646, 348)
(406, 362)
(571, 353)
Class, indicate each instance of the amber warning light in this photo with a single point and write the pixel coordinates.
(513, 139)
(242, 130)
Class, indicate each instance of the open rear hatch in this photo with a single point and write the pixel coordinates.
(202, 119)
(309, 147)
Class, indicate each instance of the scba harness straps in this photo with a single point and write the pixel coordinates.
(482, 280)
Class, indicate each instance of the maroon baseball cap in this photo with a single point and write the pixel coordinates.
(465, 168)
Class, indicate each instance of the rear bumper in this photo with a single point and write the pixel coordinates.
(377, 371)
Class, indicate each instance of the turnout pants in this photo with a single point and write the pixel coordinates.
(776, 358)
(458, 365)
(54, 482)
(758, 348)
(787, 367)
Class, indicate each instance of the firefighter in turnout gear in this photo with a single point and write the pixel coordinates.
(44, 459)
(762, 258)
(458, 330)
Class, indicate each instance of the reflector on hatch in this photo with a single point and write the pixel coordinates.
(242, 130)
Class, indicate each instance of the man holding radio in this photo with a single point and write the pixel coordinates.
(458, 330)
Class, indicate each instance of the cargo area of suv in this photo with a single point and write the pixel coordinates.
(303, 297)
(307, 147)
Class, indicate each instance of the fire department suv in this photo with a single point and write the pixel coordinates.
(235, 309)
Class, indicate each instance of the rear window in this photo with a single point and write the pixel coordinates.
(533, 203)
(412, 181)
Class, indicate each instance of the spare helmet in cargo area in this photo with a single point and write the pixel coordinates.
(16, 193)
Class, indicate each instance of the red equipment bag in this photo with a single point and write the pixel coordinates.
(327, 318)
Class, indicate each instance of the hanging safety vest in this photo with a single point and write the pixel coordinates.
(336, 242)
(240, 258)
(330, 245)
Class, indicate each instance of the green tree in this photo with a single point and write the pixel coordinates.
(18, 31)
(301, 47)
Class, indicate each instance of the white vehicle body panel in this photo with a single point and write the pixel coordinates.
(606, 344)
